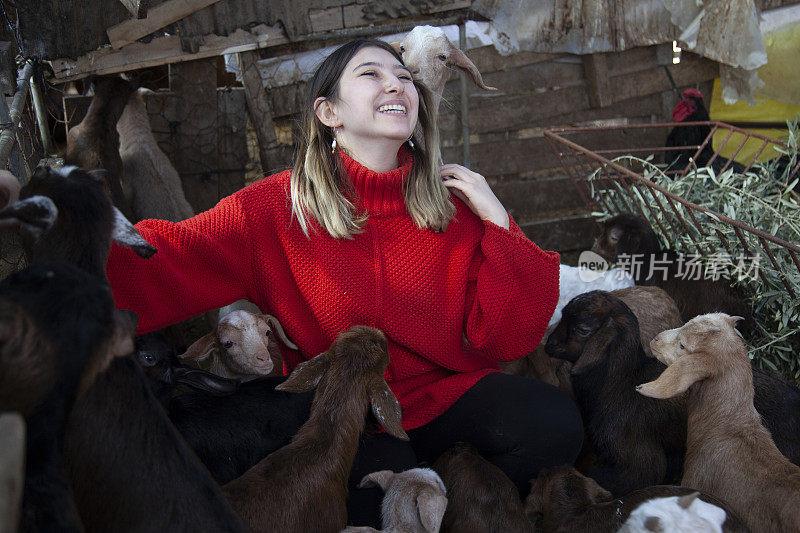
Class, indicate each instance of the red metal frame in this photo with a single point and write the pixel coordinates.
(580, 162)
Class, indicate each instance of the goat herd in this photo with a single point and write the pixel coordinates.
(681, 433)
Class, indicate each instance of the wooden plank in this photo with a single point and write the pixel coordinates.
(535, 77)
(527, 200)
(326, 19)
(370, 12)
(163, 51)
(258, 106)
(631, 60)
(232, 134)
(598, 81)
(487, 59)
(138, 8)
(196, 154)
(159, 16)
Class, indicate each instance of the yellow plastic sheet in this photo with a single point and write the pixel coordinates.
(778, 99)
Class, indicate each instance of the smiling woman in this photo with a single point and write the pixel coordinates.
(368, 228)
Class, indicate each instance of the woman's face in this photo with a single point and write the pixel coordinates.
(377, 100)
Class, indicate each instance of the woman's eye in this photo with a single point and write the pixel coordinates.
(368, 73)
(407, 78)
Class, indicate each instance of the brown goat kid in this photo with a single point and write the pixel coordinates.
(303, 486)
(562, 500)
(480, 495)
(655, 310)
(729, 452)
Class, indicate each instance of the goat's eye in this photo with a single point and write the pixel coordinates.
(148, 359)
(583, 330)
(681, 345)
(267, 333)
(613, 238)
(402, 49)
(228, 344)
(442, 57)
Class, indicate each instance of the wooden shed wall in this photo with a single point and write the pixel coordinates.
(539, 91)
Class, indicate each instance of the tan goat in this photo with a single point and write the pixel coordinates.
(729, 452)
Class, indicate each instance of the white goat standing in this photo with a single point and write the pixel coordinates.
(429, 55)
(152, 185)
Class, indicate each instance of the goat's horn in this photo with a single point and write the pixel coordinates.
(273, 322)
(125, 234)
(686, 500)
(459, 59)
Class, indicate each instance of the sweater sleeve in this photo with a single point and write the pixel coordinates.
(512, 293)
(202, 263)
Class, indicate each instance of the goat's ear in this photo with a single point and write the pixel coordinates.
(125, 234)
(307, 374)
(595, 348)
(459, 59)
(386, 407)
(679, 376)
(396, 45)
(201, 349)
(275, 326)
(431, 506)
(382, 478)
(534, 503)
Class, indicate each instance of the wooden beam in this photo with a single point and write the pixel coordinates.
(138, 8)
(161, 15)
(162, 51)
(597, 80)
(259, 108)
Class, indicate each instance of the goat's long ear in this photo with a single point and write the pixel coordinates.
(431, 506)
(382, 478)
(125, 234)
(201, 349)
(34, 215)
(679, 376)
(307, 374)
(386, 407)
(273, 324)
(459, 59)
(595, 348)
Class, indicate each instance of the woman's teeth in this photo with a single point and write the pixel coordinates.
(392, 108)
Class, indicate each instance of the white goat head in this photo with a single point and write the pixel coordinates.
(415, 500)
(242, 345)
(429, 55)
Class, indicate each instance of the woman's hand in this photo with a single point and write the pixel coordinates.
(473, 190)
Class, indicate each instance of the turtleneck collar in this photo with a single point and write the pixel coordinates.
(380, 193)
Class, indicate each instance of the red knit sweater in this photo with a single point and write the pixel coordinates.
(425, 290)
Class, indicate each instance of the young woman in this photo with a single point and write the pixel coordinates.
(367, 228)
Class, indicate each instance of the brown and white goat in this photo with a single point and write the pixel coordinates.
(150, 182)
(429, 55)
(729, 452)
(242, 345)
(562, 500)
(480, 495)
(415, 501)
(303, 486)
(94, 142)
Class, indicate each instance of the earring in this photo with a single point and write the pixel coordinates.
(411, 142)
(333, 146)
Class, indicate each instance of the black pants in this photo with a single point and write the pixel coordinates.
(519, 424)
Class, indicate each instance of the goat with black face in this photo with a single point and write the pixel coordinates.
(638, 443)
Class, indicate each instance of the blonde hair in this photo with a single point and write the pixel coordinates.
(320, 185)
